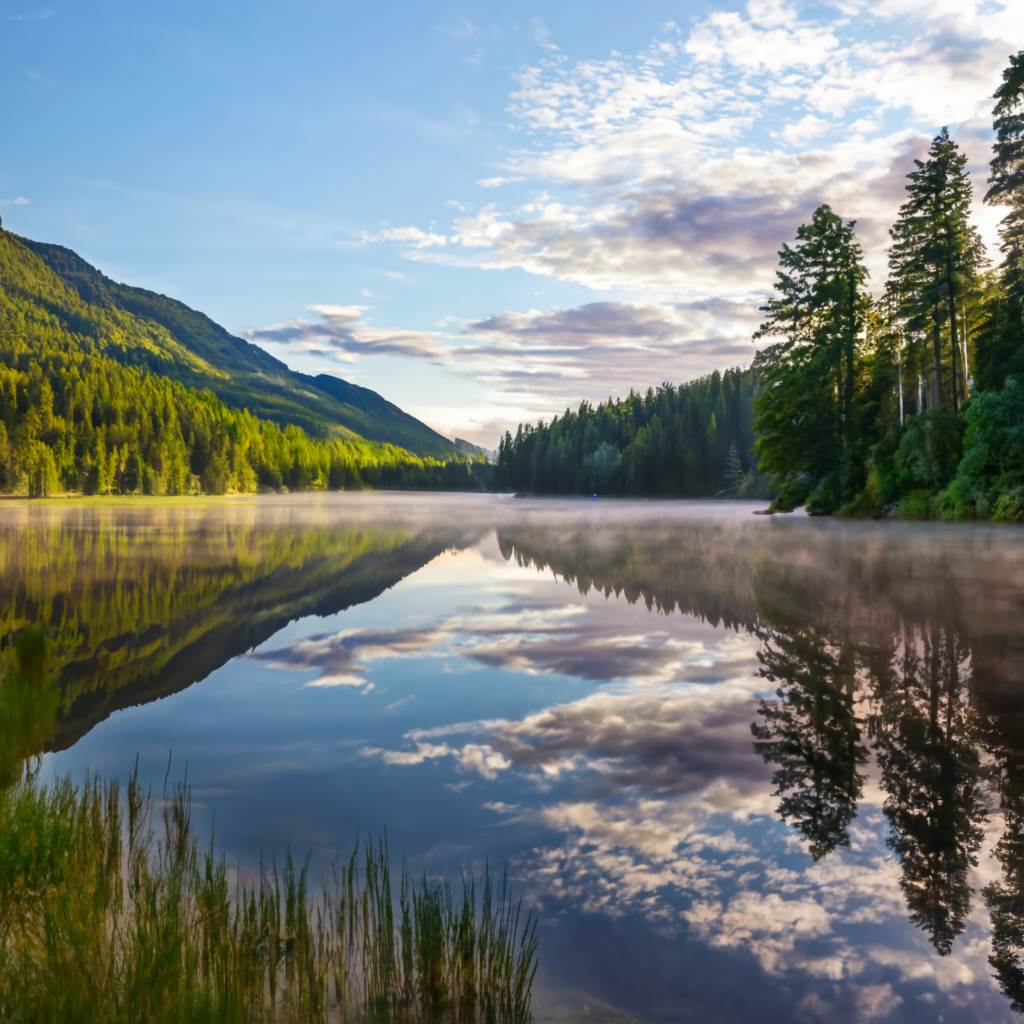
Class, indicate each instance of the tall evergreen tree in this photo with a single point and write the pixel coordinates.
(1001, 350)
(934, 263)
(805, 415)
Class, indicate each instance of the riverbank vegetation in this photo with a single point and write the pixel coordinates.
(107, 915)
(911, 402)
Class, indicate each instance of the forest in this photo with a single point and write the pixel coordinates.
(84, 407)
(909, 401)
(695, 440)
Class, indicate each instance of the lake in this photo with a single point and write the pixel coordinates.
(743, 767)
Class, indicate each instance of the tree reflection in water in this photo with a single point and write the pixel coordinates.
(811, 732)
(885, 652)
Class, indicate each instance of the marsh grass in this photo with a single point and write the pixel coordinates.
(112, 912)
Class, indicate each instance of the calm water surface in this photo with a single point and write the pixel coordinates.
(746, 768)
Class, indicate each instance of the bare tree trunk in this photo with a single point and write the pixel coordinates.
(936, 389)
(954, 337)
(851, 337)
(899, 376)
(966, 361)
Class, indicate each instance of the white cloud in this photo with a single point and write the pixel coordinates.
(342, 333)
(679, 170)
(665, 180)
(497, 181)
(416, 237)
(341, 659)
(534, 360)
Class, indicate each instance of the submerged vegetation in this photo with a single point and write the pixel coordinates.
(106, 915)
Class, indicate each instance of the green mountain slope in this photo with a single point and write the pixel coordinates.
(96, 399)
(201, 353)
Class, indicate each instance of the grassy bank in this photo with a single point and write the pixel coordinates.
(111, 912)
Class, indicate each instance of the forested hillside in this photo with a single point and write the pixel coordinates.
(912, 401)
(695, 440)
(241, 374)
(86, 405)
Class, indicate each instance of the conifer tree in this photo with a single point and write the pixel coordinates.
(1001, 348)
(805, 414)
(934, 263)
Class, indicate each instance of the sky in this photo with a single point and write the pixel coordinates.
(487, 212)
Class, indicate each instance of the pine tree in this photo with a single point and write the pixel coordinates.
(1001, 348)
(934, 264)
(805, 414)
(733, 475)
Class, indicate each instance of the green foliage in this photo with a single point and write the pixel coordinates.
(992, 468)
(928, 452)
(1010, 506)
(86, 405)
(867, 411)
(919, 504)
(806, 413)
(200, 353)
(107, 915)
(694, 440)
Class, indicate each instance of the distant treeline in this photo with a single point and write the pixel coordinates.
(75, 418)
(695, 440)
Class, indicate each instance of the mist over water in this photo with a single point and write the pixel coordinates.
(745, 767)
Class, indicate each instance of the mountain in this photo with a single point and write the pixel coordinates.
(96, 399)
(464, 447)
(204, 355)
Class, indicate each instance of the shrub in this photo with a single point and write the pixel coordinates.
(917, 504)
(1010, 506)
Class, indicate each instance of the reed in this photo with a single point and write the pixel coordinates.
(111, 912)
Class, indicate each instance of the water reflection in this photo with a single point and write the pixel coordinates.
(710, 743)
(811, 733)
(138, 604)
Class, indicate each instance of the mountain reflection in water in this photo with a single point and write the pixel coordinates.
(748, 768)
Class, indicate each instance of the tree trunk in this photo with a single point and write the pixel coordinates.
(954, 340)
(936, 389)
(899, 377)
(966, 362)
(851, 333)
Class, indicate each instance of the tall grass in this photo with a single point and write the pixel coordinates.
(111, 913)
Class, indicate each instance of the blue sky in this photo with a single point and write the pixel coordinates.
(485, 211)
